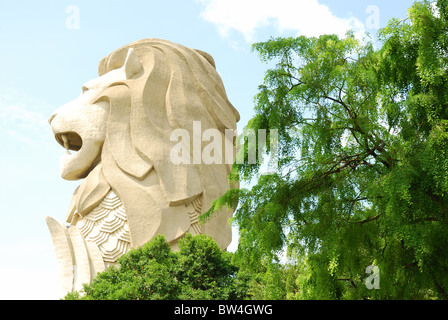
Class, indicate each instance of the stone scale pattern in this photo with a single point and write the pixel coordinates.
(107, 226)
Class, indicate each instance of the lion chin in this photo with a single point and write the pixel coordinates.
(116, 136)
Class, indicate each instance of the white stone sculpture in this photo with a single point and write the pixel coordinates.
(117, 139)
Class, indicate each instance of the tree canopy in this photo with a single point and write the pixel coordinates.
(199, 270)
(361, 184)
(362, 173)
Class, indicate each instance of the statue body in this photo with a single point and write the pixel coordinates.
(117, 136)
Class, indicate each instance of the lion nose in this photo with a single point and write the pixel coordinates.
(51, 118)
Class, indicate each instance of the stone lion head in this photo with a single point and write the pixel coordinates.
(117, 139)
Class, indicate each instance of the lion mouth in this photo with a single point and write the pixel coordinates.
(69, 140)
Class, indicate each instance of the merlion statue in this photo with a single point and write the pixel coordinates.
(118, 139)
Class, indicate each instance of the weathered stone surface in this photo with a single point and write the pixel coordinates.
(118, 140)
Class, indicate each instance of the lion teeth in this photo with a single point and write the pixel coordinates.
(66, 145)
(65, 140)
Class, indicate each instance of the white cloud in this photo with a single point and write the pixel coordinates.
(21, 115)
(306, 17)
(20, 120)
(28, 270)
(435, 9)
(25, 283)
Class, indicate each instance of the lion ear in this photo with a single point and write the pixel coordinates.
(132, 65)
(207, 57)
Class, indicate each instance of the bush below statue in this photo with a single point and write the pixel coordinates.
(198, 270)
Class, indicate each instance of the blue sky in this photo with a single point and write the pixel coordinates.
(49, 49)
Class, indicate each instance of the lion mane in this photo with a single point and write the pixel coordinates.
(176, 86)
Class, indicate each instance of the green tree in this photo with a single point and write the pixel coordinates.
(199, 270)
(362, 163)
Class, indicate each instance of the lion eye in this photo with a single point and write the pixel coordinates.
(84, 89)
